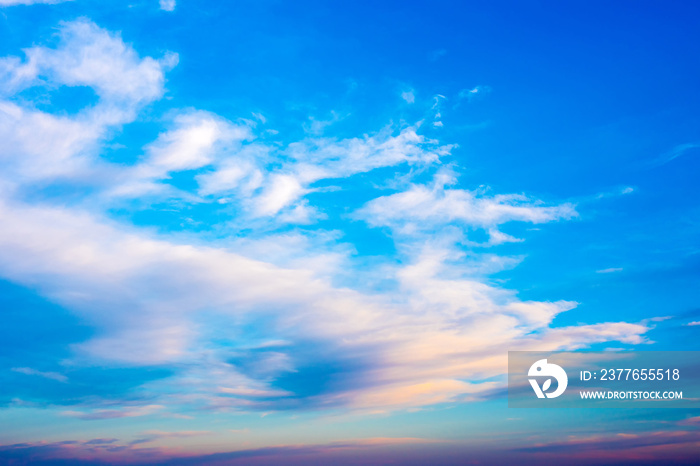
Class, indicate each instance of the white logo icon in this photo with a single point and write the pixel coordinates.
(542, 369)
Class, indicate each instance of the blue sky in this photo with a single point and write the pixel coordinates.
(319, 227)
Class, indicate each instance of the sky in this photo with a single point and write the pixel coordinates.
(267, 232)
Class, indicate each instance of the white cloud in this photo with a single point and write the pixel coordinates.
(63, 148)
(47, 375)
(425, 208)
(196, 140)
(326, 158)
(90, 56)
(437, 99)
(85, 56)
(470, 94)
(678, 151)
(316, 127)
(281, 191)
(144, 297)
(408, 96)
(238, 172)
(30, 2)
(610, 270)
(621, 191)
(167, 5)
(693, 324)
(265, 191)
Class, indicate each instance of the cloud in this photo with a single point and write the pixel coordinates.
(30, 2)
(620, 191)
(47, 375)
(470, 94)
(425, 208)
(268, 181)
(610, 270)
(113, 413)
(101, 441)
(408, 96)
(195, 141)
(115, 452)
(89, 56)
(328, 158)
(190, 145)
(153, 435)
(281, 191)
(437, 116)
(167, 5)
(186, 303)
(78, 452)
(144, 296)
(240, 173)
(316, 127)
(674, 153)
(659, 447)
(382, 450)
(693, 324)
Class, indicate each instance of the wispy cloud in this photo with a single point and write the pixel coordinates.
(473, 93)
(101, 441)
(621, 191)
(153, 435)
(430, 207)
(91, 452)
(167, 5)
(661, 446)
(111, 451)
(436, 109)
(30, 2)
(678, 151)
(610, 270)
(98, 414)
(266, 192)
(47, 375)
